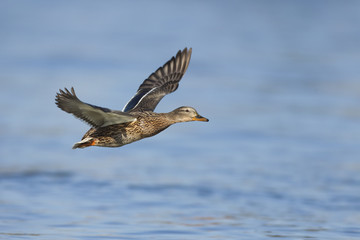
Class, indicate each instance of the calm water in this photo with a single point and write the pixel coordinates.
(280, 157)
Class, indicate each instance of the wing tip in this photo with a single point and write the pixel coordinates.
(63, 97)
(66, 93)
(185, 52)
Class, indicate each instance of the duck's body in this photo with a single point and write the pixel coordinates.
(147, 124)
(137, 120)
(118, 135)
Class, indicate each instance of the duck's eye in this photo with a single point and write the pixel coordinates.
(187, 110)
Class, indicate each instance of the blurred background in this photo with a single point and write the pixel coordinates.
(279, 158)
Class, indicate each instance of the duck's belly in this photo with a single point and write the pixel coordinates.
(122, 134)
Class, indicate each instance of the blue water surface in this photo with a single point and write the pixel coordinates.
(279, 158)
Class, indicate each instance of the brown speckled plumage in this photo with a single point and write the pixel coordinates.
(137, 120)
(118, 135)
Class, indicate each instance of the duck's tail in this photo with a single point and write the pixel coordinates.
(86, 142)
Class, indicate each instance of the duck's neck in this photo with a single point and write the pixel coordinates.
(171, 117)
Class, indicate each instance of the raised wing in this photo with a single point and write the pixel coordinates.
(163, 81)
(93, 115)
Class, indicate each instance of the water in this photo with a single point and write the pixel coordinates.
(279, 158)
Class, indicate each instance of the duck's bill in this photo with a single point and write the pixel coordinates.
(200, 118)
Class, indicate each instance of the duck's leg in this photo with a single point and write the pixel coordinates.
(86, 142)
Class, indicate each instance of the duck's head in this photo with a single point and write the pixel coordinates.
(187, 114)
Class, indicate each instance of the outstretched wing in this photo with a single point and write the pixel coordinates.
(163, 81)
(93, 115)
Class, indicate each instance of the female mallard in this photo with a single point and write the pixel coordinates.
(137, 120)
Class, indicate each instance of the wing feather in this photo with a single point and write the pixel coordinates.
(163, 81)
(93, 115)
